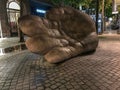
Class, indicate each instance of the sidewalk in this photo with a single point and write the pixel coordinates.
(98, 71)
(8, 45)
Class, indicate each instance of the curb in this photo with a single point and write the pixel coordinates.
(18, 47)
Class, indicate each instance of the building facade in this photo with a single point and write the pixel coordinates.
(115, 4)
(118, 2)
(10, 11)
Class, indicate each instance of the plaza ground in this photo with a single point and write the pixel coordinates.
(98, 71)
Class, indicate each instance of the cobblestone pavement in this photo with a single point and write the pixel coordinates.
(98, 71)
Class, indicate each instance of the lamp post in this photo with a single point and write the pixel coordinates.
(97, 15)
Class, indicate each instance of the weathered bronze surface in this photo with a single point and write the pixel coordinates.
(64, 33)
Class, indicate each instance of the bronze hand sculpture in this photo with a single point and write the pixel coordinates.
(64, 33)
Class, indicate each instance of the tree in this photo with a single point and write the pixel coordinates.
(103, 15)
(108, 8)
(97, 15)
(73, 3)
(102, 6)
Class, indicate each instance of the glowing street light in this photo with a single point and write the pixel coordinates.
(40, 11)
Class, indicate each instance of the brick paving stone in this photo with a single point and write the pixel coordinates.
(40, 88)
(97, 71)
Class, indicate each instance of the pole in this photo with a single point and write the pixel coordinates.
(103, 16)
(1, 30)
(97, 15)
(21, 13)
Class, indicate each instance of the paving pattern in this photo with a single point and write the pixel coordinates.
(98, 71)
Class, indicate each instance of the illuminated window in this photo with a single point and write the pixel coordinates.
(14, 5)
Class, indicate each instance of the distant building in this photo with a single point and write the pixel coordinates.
(115, 3)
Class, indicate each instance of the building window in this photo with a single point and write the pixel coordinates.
(13, 12)
(14, 5)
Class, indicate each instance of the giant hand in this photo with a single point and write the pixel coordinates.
(64, 33)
